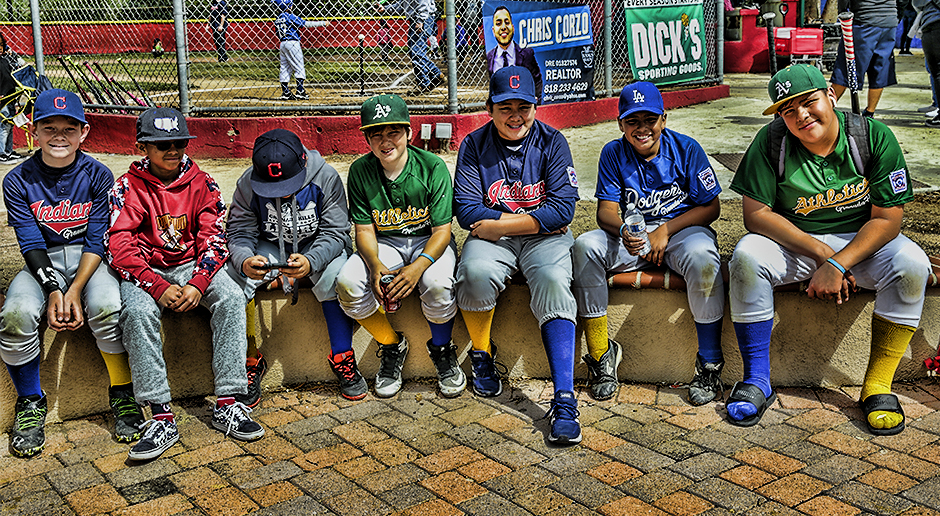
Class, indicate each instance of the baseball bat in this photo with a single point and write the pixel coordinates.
(141, 90)
(107, 91)
(848, 41)
(115, 90)
(81, 91)
(771, 42)
(118, 88)
(99, 97)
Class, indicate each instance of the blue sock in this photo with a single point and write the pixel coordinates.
(441, 334)
(558, 338)
(709, 341)
(339, 326)
(26, 378)
(754, 343)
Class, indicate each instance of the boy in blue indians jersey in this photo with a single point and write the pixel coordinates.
(57, 203)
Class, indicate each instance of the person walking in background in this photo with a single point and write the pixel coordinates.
(383, 37)
(421, 26)
(9, 61)
(930, 38)
(218, 22)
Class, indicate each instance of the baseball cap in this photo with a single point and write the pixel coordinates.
(56, 102)
(162, 124)
(640, 96)
(384, 110)
(279, 164)
(793, 81)
(512, 82)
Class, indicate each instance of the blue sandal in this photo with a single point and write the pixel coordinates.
(751, 394)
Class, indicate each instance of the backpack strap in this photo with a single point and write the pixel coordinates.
(778, 144)
(857, 131)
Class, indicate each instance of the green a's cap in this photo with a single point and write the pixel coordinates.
(793, 81)
(384, 110)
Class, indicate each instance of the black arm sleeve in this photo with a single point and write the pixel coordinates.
(38, 263)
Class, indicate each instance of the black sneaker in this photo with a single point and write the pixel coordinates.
(159, 436)
(255, 375)
(287, 95)
(128, 418)
(233, 419)
(301, 95)
(566, 428)
(933, 122)
(10, 158)
(486, 375)
(352, 385)
(388, 379)
(603, 382)
(450, 378)
(706, 385)
(29, 437)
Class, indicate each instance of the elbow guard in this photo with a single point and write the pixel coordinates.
(39, 264)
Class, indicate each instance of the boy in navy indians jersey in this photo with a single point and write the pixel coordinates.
(288, 27)
(515, 191)
(57, 204)
(168, 243)
(289, 208)
(667, 177)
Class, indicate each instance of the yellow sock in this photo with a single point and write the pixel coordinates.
(888, 342)
(595, 332)
(118, 370)
(377, 324)
(251, 316)
(479, 325)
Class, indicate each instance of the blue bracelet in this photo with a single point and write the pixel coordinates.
(836, 265)
(621, 229)
(426, 255)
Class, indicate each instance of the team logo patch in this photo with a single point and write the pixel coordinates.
(167, 124)
(707, 177)
(572, 177)
(899, 181)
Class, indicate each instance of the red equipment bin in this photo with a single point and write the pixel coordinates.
(795, 41)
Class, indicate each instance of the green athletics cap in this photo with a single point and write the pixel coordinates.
(384, 110)
(793, 81)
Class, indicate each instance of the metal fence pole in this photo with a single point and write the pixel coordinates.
(720, 42)
(450, 32)
(182, 56)
(608, 49)
(37, 36)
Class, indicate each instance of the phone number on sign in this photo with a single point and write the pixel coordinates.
(565, 87)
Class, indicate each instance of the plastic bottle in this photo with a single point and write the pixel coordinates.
(636, 227)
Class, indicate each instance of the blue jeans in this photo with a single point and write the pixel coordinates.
(6, 128)
(418, 33)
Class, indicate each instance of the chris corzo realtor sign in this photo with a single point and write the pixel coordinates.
(666, 40)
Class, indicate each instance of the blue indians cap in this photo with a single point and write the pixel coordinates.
(640, 96)
(512, 82)
(56, 102)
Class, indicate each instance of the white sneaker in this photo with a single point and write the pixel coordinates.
(932, 113)
(158, 437)
(233, 419)
(926, 108)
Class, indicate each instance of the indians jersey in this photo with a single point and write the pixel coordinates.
(51, 207)
(288, 26)
(536, 178)
(676, 180)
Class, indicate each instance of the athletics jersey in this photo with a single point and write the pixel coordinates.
(537, 179)
(677, 179)
(50, 207)
(826, 194)
(420, 198)
(287, 26)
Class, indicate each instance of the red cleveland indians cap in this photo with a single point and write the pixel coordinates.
(56, 102)
(512, 82)
(279, 164)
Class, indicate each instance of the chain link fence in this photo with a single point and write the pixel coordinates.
(122, 56)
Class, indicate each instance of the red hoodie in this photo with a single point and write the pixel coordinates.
(153, 225)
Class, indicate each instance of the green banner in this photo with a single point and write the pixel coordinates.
(666, 40)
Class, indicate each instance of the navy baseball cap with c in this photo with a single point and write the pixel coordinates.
(161, 125)
(640, 96)
(56, 102)
(279, 163)
(512, 82)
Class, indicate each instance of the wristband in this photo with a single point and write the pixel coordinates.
(426, 255)
(621, 229)
(836, 265)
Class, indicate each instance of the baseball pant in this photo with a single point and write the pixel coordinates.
(897, 273)
(292, 60)
(436, 286)
(324, 281)
(418, 33)
(140, 321)
(26, 304)
(218, 37)
(545, 261)
(692, 252)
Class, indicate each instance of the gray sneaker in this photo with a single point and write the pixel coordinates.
(388, 379)
(450, 378)
(706, 385)
(603, 382)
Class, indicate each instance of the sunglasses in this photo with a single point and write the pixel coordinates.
(165, 146)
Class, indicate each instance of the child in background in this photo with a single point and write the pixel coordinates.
(288, 27)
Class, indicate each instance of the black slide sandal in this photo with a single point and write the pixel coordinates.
(751, 394)
(884, 403)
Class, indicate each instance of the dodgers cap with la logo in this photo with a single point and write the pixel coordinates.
(512, 82)
(162, 124)
(791, 82)
(384, 110)
(279, 164)
(56, 102)
(640, 96)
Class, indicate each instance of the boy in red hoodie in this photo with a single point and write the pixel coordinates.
(168, 242)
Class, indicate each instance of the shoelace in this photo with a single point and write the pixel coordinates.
(124, 406)
(346, 368)
(562, 411)
(154, 427)
(253, 371)
(708, 379)
(443, 360)
(387, 368)
(486, 368)
(29, 419)
(233, 416)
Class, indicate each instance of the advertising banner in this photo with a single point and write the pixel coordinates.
(666, 40)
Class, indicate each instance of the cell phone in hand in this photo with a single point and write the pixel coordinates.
(277, 265)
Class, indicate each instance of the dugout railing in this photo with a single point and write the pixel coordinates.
(105, 51)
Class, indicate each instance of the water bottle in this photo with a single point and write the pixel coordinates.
(636, 227)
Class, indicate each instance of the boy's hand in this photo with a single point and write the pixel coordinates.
(405, 280)
(487, 229)
(300, 267)
(169, 296)
(659, 238)
(828, 283)
(55, 311)
(251, 267)
(376, 278)
(73, 310)
(189, 298)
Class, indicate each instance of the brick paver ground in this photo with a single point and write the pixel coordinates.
(419, 454)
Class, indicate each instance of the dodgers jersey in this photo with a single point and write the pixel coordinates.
(537, 179)
(676, 180)
(287, 26)
(51, 207)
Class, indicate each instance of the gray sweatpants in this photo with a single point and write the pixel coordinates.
(140, 321)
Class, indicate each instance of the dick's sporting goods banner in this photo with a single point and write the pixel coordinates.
(666, 39)
(561, 37)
